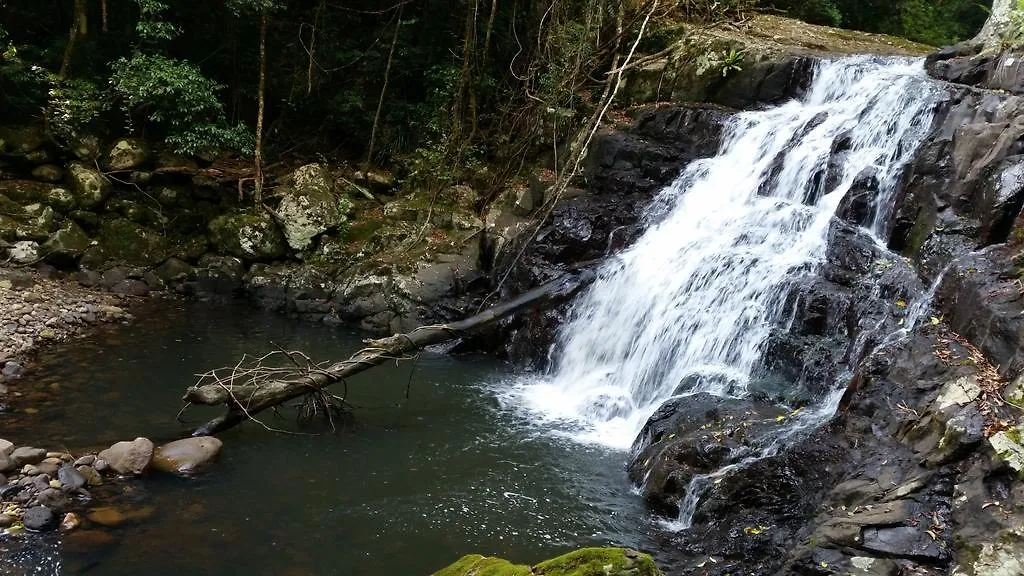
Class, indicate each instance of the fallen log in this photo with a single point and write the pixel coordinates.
(247, 391)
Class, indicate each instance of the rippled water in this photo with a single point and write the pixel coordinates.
(412, 486)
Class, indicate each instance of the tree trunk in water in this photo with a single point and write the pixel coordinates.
(383, 88)
(246, 398)
(260, 109)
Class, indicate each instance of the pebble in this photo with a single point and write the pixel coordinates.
(70, 522)
(71, 477)
(86, 460)
(6, 521)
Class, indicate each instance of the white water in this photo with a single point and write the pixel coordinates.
(688, 308)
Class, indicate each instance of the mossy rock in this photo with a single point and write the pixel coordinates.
(247, 235)
(66, 245)
(311, 205)
(29, 192)
(585, 562)
(91, 188)
(125, 242)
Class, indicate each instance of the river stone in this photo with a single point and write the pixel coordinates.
(86, 460)
(6, 447)
(27, 455)
(129, 457)
(38, 518)
(126, 154)
(71, 477)
(52, 498)
(6, 464)
(7, 521)
(131, 288)
(91, 188)
(310, 205)
(187, 456)
(70, 522)
(247, 235)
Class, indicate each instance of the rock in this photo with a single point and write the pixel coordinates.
(39, 518)
(187, 456)
(7, 521)
(24, 252)
(21, 140)
(66, 245)
(124, 242)
(48, 173)
(70, 522)
(310, 205)
(27, 455)
(904, 542)
(126, 154)
(52, 498)
(248, 235)
(131, 288)
(6, 447)
(89, 278)
(6, 464)
(92, 477)
(585, 562)
(71, 477)
(129, 457)
(48, 468)
(1009, 447)
(86, 460)
(90, 187)
(173, 270)
(112, 517)
(12, 371)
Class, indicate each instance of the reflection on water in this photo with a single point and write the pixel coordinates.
(409, 487)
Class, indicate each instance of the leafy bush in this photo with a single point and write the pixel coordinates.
(175, 96)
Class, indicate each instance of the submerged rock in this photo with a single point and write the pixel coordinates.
(187, 456)
(585, 562)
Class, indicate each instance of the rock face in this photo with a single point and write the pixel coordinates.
(129, 457)
(187, 456)
(310, 205)
(585, 562)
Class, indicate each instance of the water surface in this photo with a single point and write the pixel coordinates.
(408, 487)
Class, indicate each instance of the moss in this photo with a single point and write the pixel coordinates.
(599, 562)
(477, 565)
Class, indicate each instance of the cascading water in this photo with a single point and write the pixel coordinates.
(689, 307)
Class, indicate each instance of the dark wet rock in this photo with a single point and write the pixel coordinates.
(129, 457)
(52, 498)
(174, 270)
(131, 288)
(218, 275)
(767, 83)
(70, 477)
(904, 542)
(39, 518)
(694, 435)
(89, 278)
(187, 456)
(48, 173)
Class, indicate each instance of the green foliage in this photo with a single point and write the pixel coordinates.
(732, 61)
(176, 96)
(151, 28)
(1015, 34)
(73, 107)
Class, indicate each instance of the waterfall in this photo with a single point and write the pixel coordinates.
(689, 307)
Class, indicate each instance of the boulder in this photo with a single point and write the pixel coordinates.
(187, 456)
(585, 562)
(6, 447)
(25, 143)
(27, 455)
(126, 154)
(48, 173)
(173, 270)
(129, 457)
(247, 235)
(26, 192)
(125, 242)
(90, 187)
(66, 245)
(310, 205)
(24, 252)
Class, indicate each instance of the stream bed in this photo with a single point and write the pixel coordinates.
(407, 488)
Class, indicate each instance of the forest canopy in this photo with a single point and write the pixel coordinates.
(435, 82)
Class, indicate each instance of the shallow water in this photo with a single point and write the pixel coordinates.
(408, 488)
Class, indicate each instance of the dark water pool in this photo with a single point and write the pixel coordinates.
(409, 487)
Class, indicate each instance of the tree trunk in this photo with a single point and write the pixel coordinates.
(997, 27)
(383, 88)
(79, 27)
(246, 399)
(260, 109)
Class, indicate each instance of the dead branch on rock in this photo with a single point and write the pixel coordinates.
(257, 383)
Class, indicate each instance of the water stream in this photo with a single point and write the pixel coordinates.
(689, 307)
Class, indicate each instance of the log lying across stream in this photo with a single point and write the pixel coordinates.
(251, 391)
